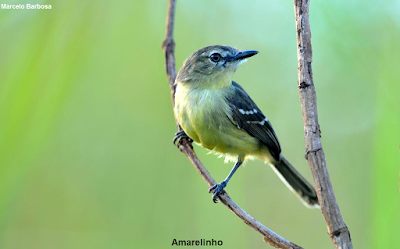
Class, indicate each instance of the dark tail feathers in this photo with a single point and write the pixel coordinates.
(296, 182)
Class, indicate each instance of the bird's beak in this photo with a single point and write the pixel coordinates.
(245, 54)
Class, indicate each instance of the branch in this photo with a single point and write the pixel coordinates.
(185, 146)
(337, 229)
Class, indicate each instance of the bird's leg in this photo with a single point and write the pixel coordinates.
(179, 135)
(217, 188)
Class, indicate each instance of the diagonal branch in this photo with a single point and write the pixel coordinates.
(185, 146)
(337, 229)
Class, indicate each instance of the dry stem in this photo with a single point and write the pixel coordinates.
(337, 229)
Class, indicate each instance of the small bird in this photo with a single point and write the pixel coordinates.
(217, 113)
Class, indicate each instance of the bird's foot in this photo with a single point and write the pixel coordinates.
(217, 189)
(179, 136)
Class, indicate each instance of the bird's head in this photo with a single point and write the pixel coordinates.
(212, 65)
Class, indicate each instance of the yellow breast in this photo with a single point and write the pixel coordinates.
(205, 116)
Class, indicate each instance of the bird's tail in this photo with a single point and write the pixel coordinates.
(296, 182)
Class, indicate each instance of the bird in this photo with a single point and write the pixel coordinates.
(217, 113)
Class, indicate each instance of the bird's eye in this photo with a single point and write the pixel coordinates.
(215, 57)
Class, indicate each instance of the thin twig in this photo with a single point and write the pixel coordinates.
(337, 229)
(185, 146)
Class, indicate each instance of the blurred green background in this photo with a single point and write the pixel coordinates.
(86, 124)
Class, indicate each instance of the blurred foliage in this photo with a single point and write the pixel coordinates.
(86, 159)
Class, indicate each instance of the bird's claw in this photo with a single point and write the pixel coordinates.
(180, 135)
(217, 189)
